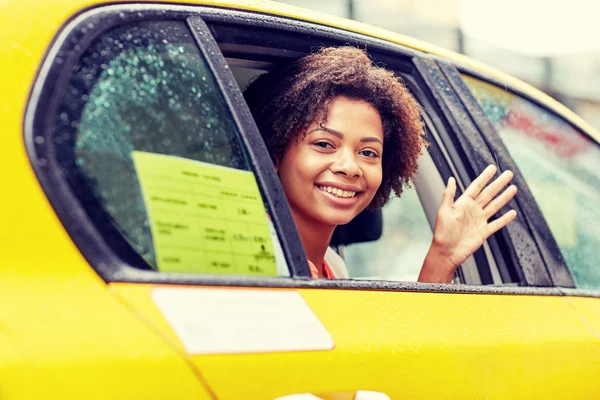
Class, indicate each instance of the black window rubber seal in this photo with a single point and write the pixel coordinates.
(533, 216)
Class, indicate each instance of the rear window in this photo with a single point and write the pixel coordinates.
(562, 169)
(148, 145)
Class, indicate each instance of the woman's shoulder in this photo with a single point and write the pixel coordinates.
(336, 264)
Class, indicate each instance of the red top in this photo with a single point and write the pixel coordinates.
(314, 272)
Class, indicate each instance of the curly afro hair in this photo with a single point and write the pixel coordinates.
(286, 101)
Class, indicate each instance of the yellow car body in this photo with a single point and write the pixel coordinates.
(65, 332)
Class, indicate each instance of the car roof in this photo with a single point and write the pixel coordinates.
(41, 21)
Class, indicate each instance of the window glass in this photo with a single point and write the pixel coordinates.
(401, 250)
(561, 167)
(148, 144)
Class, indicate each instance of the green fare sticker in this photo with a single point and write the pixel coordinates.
(205, 218)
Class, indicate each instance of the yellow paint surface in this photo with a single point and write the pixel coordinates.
(417, 346)
(589, 310)
(61, 331)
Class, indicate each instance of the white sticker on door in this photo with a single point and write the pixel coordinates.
(211, 321)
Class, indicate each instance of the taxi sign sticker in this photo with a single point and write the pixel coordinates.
(205, 218)
(226, 321)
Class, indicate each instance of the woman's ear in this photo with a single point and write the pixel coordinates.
(276, 164)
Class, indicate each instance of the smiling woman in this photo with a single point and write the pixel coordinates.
(343, 133)
(328, 176)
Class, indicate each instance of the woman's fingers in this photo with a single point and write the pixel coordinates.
(500, 201)
(494, 188)
(449, 193)
(480, 182)
(501, 222)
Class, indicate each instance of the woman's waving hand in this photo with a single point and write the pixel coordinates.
(462, 226)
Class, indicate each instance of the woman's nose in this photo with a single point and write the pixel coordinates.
(347, 164)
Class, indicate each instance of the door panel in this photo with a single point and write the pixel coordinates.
(413, 345)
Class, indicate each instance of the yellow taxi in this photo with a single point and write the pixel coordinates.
(148, 250)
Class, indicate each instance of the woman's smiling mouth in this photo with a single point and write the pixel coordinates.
(337, 192)
(340, 195)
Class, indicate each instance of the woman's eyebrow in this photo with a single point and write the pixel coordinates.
(341, 135)
(322, 127)
(371, 139)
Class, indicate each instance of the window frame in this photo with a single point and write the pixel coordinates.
(90, 242)
(528, 248)
(492, 255)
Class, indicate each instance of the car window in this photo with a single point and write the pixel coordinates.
(561, 167)
(147, 142)
(401, 250)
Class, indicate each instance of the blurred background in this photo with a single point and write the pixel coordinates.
(554, 46)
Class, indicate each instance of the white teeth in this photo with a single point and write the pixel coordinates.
(337, 192)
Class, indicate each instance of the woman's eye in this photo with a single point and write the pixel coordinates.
(369, 153)
(324, 145)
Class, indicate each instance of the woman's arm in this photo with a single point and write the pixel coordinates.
(462, 226)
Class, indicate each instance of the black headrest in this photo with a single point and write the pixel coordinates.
(365, 227)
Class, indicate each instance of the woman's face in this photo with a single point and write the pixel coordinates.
(333, 173)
